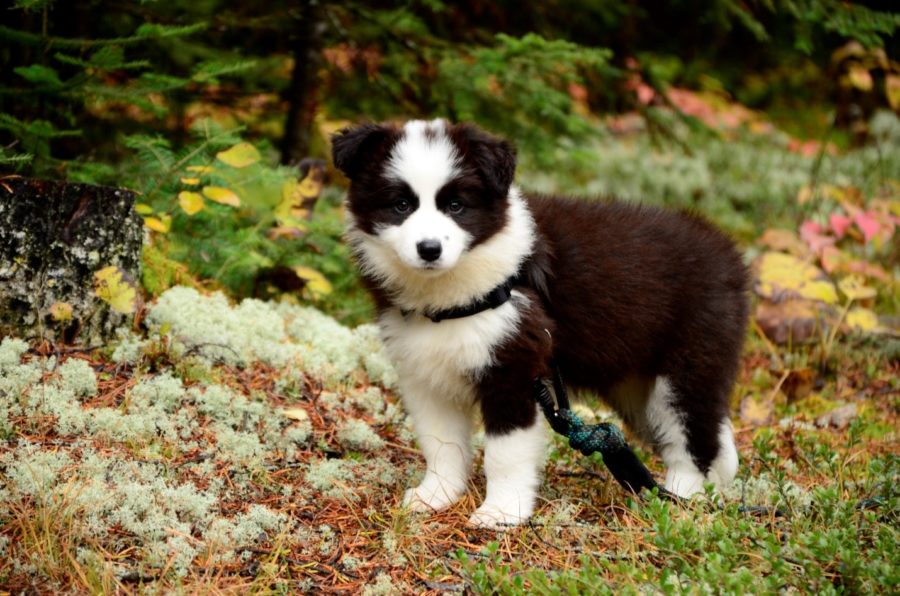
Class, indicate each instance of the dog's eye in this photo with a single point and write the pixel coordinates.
(455, 206)
(401, 206)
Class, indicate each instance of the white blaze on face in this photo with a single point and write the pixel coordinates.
(426, 163)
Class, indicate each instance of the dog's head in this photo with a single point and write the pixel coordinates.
(429, 192)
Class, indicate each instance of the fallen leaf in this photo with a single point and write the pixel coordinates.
(788, 321)
(781, 276)
(190, 181)
(61, 311)
(111, 284)
(855, 288)
(143, 208)
(868, 224)
(815, 236)
(222, 195)
(295, 413)
(756, 411)
(200, 169)
(839, 224)
(862, 319)
(798, 383)
(783, 241)
(239, 156)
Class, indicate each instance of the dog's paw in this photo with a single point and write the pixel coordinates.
(684, 481)
(426, 500)
(493, 517)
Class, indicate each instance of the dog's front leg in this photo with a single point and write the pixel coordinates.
(512, 465)
(444, 430)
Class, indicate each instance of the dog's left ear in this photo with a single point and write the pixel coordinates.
(494, 157)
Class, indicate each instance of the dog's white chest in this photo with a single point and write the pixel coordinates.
(445, 358)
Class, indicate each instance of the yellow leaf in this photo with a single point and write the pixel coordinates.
(61, 311)
(222, 195)
(892, 90)
(783, 275)
(159, 224)
(112, 286)
(239, 156)
(854, 288)
(862, 319)
(860, 77)
(199, 169)
(190, 202)
(295, 414)
(823, 291)
(143, 208)
(315, 281)
(309, 188)
(190, 181)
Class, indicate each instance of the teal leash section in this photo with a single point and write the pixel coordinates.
(590, 438)
(604, 438)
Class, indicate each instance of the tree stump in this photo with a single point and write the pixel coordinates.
(54, 238)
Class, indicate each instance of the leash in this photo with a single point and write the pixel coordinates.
(605, 438)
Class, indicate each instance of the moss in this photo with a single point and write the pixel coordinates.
(159, 272)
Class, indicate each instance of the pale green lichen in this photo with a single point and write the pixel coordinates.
(77, 376)
(33, 471)
(129, 347)
(354, 433)
(11, 351)
(374, 357)
(276, 335)
(764, 490)
(330, 476)
(217, 331)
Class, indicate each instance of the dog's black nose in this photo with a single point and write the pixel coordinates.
(429, 250)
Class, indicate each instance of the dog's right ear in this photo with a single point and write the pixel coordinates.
(353, 147)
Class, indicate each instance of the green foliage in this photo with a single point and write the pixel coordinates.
(520, 86)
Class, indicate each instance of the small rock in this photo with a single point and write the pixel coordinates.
(839, 418)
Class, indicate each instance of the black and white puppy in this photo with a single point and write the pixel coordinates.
(644, 306)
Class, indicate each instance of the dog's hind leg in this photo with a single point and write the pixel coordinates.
(444, 430)
(692, 434)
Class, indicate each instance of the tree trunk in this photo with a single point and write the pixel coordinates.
(302, 93)
(54, 236)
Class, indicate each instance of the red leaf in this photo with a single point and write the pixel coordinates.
(811, 233)
(868, 224)
(840, 223)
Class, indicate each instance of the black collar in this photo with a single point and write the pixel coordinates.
(496, 297)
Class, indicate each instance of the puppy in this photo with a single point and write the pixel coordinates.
(480, 289)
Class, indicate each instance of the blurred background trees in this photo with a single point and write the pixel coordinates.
(727, 106)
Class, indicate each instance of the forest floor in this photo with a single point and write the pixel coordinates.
(175, 470)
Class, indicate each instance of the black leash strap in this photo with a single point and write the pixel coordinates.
(605, 437)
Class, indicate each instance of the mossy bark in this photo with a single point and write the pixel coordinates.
(53, 237)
